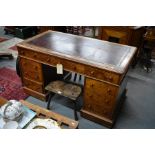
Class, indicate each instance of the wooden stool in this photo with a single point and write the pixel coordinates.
(69, 90)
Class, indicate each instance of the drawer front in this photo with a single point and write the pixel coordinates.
(102, 74)
(25, 52)
(32, 75)
(31, 70)
(33, 85)
(99, 98)
(30, 65)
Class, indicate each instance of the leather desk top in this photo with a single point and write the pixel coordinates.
(98, 53)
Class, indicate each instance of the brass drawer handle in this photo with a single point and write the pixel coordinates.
(36, 68)
(92, 72)
(106, 101)
(92, 85)
(110, 78)
(109, 90)
(35, 55)
(48, 59)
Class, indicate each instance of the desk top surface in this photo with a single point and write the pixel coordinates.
(99, 53)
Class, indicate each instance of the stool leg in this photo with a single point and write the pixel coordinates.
(75, 112)
(49, 100)
(75, 77)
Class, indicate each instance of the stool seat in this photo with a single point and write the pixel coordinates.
(69, 87)
(69, 90)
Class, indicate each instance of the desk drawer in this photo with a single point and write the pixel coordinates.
(30, 65)
(31, 70)
(45, 58)
(72, 66)
(33, 85)
(102, 74)
(32, 75)
(68, 65)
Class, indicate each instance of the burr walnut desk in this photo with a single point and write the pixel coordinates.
(104, 65)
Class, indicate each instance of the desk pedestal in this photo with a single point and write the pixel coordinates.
(102, 101)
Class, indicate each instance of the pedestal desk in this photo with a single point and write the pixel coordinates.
(104, 65)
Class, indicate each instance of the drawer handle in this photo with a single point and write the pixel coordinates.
(110, 78)
(92, 72)
(35, 55)
(106, 101)
(36, 68)
(92, 85)
(37, 77)
(48, 59)
(109, 90)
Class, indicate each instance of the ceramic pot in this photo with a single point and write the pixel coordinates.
(11, 111)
